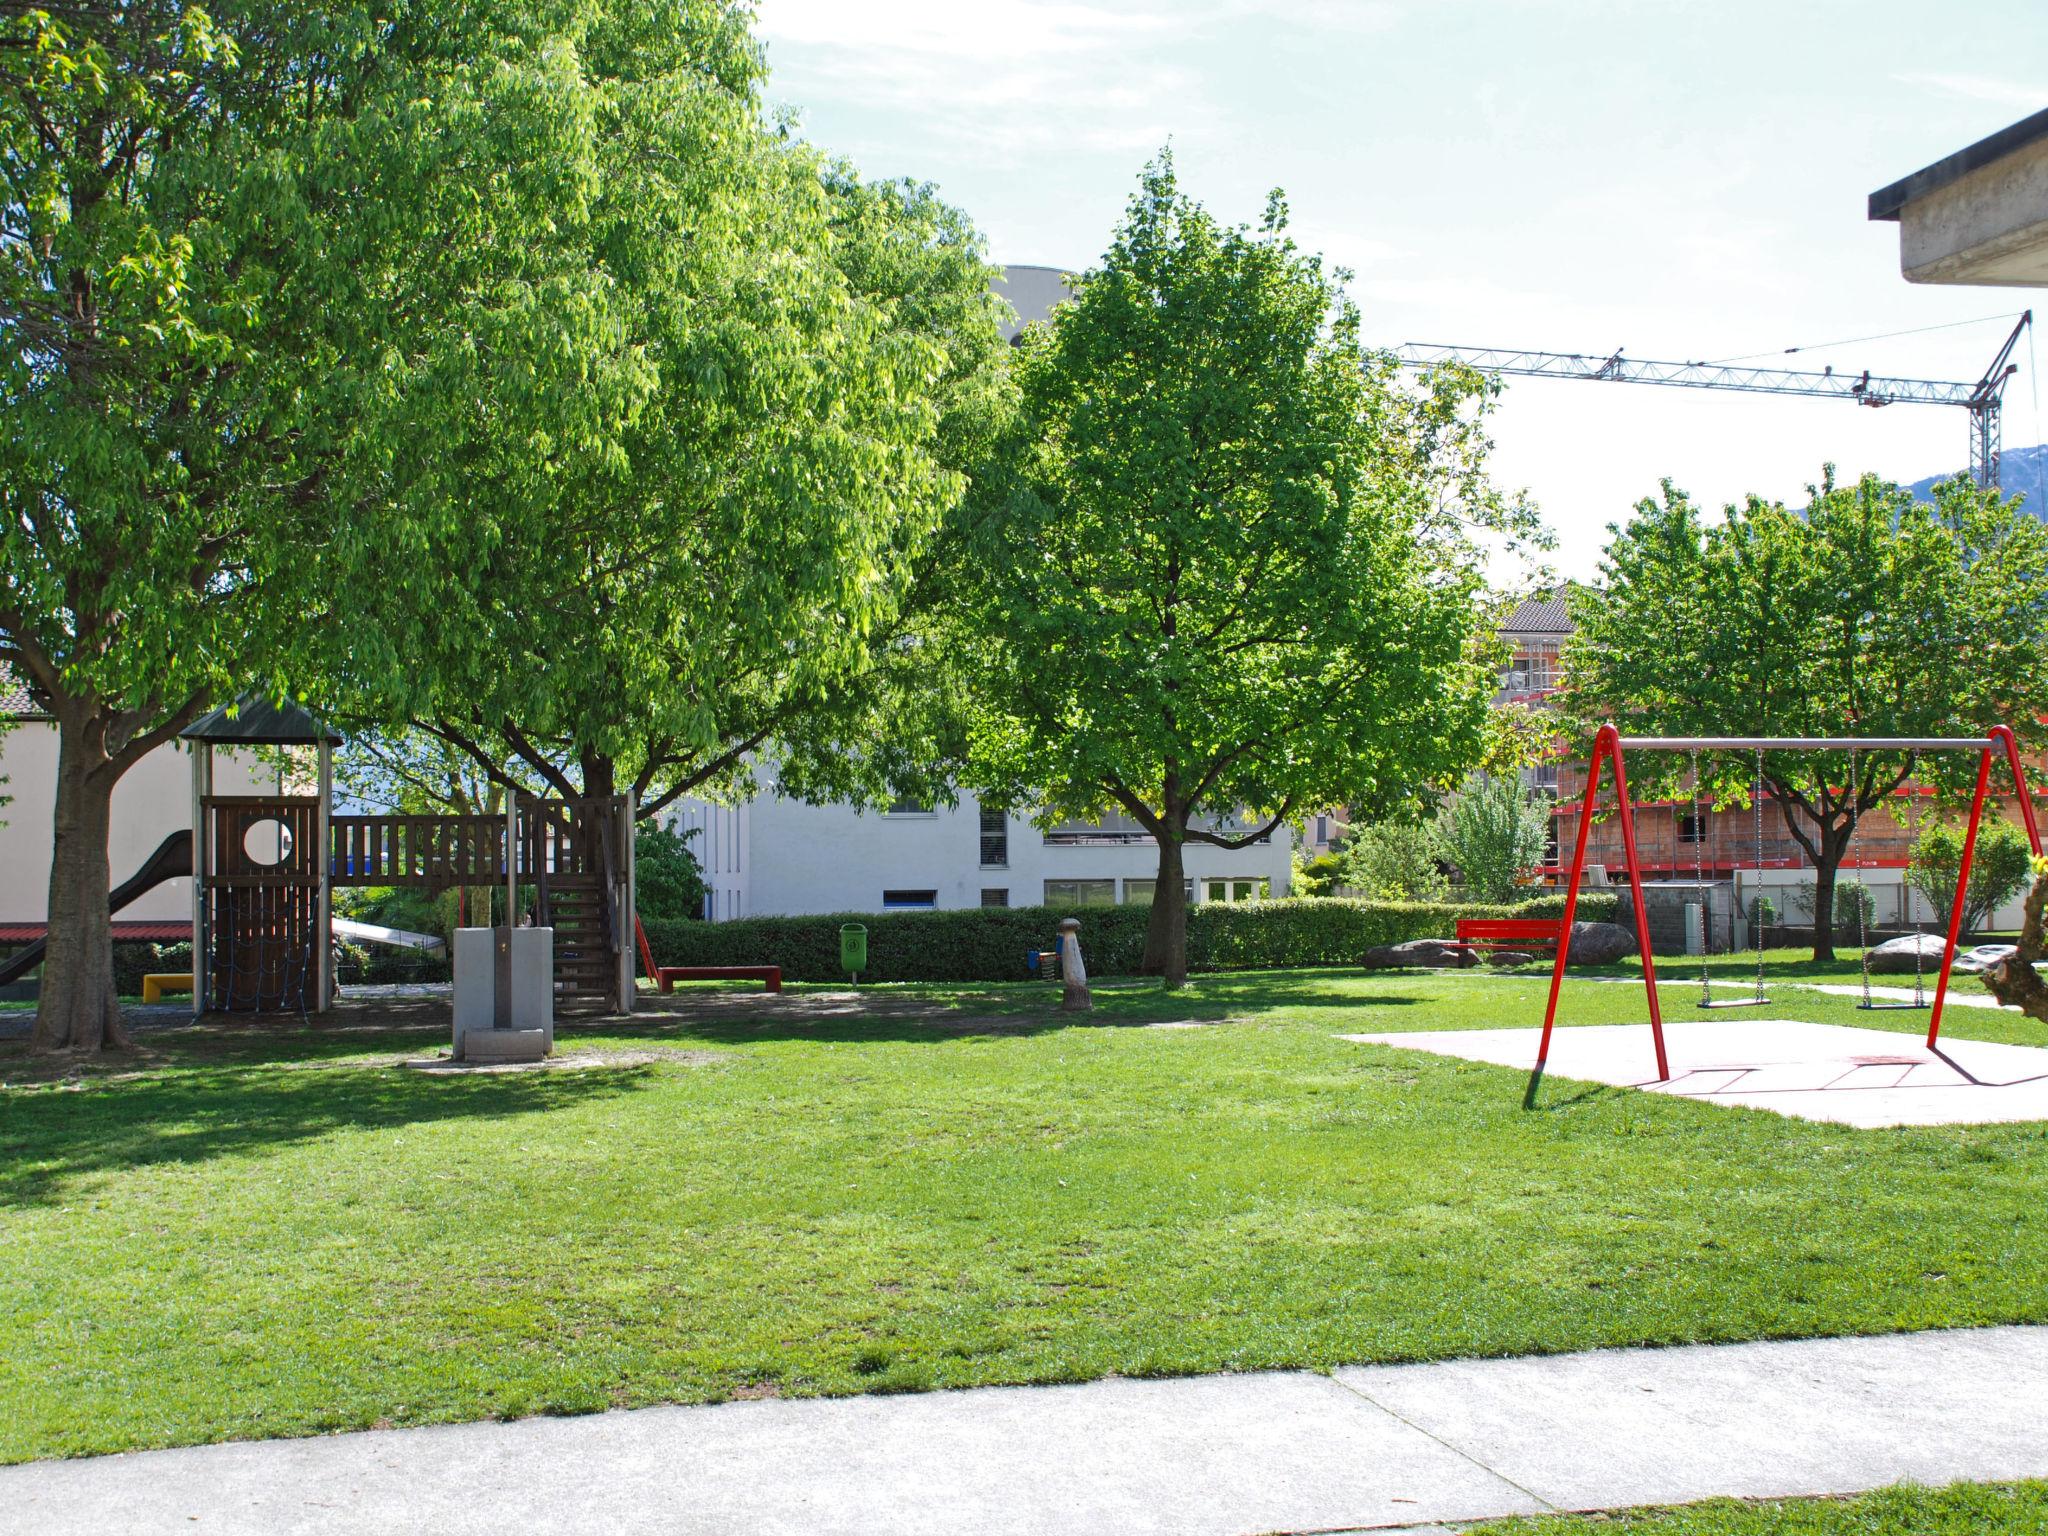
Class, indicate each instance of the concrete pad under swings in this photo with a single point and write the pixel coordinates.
(1829, 1072)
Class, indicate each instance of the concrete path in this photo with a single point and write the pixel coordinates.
(1378, 1447)
(1836, 1073)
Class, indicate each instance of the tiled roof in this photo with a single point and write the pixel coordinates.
(15, 703)
(1542, 614)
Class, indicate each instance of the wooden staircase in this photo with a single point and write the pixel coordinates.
(585, 970)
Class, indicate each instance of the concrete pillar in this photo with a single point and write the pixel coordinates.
(1074, 996)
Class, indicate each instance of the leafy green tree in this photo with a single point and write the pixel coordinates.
(1396, 861)
(1220, 565)
(1864, 613)
(1494, 831)
(277, 277)
(670, 882)
(735, 578)
(1999, 868)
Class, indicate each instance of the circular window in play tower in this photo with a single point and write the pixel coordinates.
(267, 843)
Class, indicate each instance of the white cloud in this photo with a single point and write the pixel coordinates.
(1007, 79)
(2003, 93)
(985, 33)
(1017, 76)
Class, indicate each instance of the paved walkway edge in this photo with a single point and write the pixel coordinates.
(1367, 1447)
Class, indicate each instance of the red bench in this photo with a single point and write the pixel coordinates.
(669, 975)
(666, 976)
(1491, 933)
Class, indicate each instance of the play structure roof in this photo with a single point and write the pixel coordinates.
(253, 720)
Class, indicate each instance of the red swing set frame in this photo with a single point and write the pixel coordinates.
(1609, 744)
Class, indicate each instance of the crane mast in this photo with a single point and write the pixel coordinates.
(1984, 400)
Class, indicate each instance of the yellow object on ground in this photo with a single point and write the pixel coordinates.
(154, 986)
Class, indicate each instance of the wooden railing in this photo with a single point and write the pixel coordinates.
(555, 840)
(416, 850)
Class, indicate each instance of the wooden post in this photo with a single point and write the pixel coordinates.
(202, 787)
(323, 855)
(628, 912)
(511, 860)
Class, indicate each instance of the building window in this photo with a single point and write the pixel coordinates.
(1322, 829)
(1139, 893)
(1114, 830)
(908, 806)
(1235, 890)
(1692, 824)
(905, 900)
(994, 896)
(995, 840)
(1080, 893)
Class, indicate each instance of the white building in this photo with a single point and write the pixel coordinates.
(777, 857)
(152, 802)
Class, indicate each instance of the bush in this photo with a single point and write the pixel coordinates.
(1999, 869)
(134, 961)
(1495, 832)
(1396, 861)
(669, 882)
(990, 943)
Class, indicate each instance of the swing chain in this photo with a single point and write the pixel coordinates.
(1856, 856)
(1756, 807)
(1699, 883)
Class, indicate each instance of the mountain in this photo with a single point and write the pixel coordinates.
(2021, 472)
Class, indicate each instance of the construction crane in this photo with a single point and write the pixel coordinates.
(1984, 400)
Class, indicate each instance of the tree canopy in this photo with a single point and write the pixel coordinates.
(1862, 613)
(731, 570)
(1220, 563)
(277, 278)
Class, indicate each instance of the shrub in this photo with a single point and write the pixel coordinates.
(1320, 875)
(133, 961)
(669, 883)
(1495, 832)
(1999, 868)
(990, 943)
(1396, 861)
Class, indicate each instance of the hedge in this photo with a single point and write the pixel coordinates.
(990, 943)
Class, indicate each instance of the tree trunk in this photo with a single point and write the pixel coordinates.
(78, 1009)
(600, 774)
(1824, 871)
(2014, 980)
(1166, 935)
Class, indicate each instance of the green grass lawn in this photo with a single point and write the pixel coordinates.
(273, 1231)
(1964, 1509)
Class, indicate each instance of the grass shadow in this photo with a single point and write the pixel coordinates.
(191, 1113)
(882, 1014)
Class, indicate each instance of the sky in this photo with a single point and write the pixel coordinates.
(1681, 179)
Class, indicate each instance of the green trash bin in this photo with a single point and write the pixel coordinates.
(853, 949)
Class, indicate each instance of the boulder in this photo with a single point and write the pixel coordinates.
(1984, 956)
(1896, 956)
(1429, 954)
(1509, 957)
(1601, 943)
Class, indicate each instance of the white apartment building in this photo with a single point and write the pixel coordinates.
(152, 801)
(777, 857)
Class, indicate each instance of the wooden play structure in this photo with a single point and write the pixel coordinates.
(266, 867)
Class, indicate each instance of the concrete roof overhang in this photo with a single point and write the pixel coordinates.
(1978, 217)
